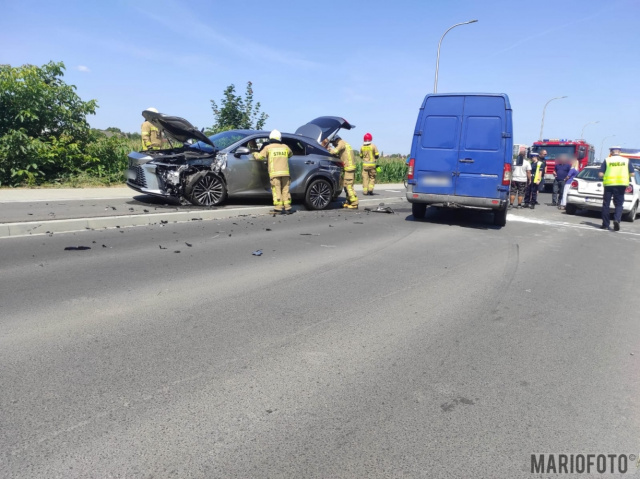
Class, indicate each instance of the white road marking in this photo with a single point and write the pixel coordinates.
(522, 219)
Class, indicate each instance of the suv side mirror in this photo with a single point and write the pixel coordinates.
(242, 150)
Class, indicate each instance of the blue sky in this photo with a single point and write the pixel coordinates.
(370, 62)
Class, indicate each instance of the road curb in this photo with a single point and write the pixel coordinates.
(34, 228)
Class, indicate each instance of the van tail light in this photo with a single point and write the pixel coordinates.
(506, 174)
(412, 164)
(629, 189)
(574, 184)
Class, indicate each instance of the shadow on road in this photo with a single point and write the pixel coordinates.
(463, 218)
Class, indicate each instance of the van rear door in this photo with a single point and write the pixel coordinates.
(485, 142)
(437, 137)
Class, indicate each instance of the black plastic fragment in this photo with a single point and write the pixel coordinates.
(77, 248)
(257, 253)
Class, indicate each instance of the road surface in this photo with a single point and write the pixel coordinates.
(357, 345)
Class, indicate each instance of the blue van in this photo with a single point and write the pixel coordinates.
(461, 154)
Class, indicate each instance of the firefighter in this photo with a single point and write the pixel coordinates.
(343, 150)
(277, 155)
(369, 154)
(616, 173)
(537, 172)
(151, 135)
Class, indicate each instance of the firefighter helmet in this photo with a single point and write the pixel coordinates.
(275, 135)
(155, 110)
(368, 137)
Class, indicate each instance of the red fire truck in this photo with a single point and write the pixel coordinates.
(580, 149)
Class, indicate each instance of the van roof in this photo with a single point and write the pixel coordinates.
(503, 95)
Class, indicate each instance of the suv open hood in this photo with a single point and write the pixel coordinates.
(323, 127)
(177, 128)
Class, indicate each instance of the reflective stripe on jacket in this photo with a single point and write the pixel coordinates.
(277, 155)
(369, 154)
(345, 153)
(537, 175)
(617, 172)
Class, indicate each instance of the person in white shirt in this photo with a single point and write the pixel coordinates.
(520, 178)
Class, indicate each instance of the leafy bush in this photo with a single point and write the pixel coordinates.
(43, 126)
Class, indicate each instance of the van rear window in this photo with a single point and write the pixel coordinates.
(483, 133)
(440, 132)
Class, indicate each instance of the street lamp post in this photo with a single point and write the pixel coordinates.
(602, 144)
(590, 123)
(543, 112)
(435, 83)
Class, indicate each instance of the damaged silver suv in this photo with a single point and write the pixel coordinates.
(211, 169)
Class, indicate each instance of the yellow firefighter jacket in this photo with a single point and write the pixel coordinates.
(151, 137)
(369, 154)
(277, 155)
(345, 153)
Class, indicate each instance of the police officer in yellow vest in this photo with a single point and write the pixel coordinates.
(343, 150)
(537, 172)
(369, 154)
(151, 135)
(277, 155)
(616, 173)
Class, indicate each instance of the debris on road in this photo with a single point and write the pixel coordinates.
(257, 253)
(77, 248)
(112, 207)
(309, 234)
(188, 244)
(381, 208)
(177, 251)
(146, 211)
(161, 247)
(164, 222)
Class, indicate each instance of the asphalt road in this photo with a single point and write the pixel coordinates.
(15, 207)
(357, 345)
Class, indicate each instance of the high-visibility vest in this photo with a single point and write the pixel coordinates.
(537, 175)
(617, 172)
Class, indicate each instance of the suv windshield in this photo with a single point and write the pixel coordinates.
(554, 151)
(589, 174)
(221, 140)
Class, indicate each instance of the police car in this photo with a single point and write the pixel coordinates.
(587, 190)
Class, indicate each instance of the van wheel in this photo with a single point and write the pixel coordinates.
(570, 209)
(500, 217)
(418, 210)
(631, 215)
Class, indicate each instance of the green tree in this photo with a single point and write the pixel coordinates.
(236, 112)
(43, 125)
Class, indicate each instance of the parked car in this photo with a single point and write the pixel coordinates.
(587, 190)
(212, 169)
(461, 154)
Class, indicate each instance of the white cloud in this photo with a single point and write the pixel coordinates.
(82, 68)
